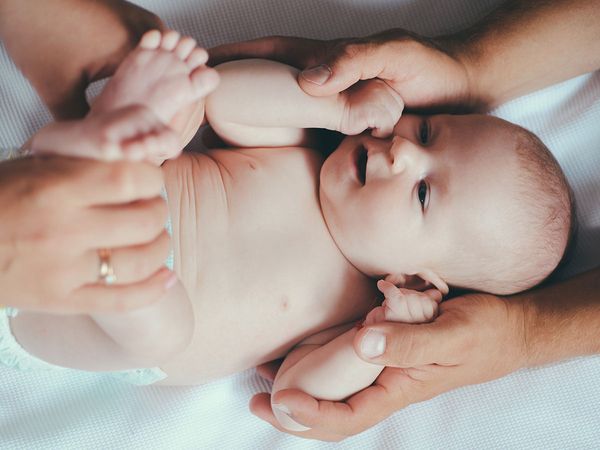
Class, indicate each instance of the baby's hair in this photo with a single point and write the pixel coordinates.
(544, 217)
(556, 210)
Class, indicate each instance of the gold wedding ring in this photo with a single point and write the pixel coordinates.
(106, 273)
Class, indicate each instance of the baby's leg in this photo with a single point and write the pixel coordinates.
(146, 337)
(166, 73)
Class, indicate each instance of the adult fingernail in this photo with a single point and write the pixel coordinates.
(373, 344)
(317, 75)
(284, 417)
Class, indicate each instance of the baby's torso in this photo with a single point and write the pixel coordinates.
(253, 251)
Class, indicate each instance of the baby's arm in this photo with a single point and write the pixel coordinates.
(146, 337)
(326, 365)
(259, 103)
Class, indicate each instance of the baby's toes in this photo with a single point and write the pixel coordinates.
(197, 58)
(169, 40)
(141, 147)
(204, 80)
(159, 144)
(134, 150)
(150, 40)
(184, 47)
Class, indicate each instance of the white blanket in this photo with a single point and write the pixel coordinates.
(552, 407)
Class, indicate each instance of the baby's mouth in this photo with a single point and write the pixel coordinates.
(361, 164)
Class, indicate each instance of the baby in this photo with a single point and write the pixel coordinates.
(279, 248)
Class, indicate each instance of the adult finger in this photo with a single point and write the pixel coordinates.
(112, 183)
(408, 345)
(123, 225)
(297, 52)
(260, 406)
(339, 419)
(99, 298)
(130, 264)
(268, 370)
(345, 64)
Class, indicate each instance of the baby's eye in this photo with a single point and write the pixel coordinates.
(424, 132)
(422, 190)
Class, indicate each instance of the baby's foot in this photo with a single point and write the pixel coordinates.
(166, 73)
(370, 104)
(133, 132)
(404, 305)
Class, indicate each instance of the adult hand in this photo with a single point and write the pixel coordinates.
(426, 73)
(57, 212)
(476, 338)
(105, 30)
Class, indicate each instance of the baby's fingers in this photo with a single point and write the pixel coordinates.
(388, 289)
(412, 308)
(389, 112)
(434, 295)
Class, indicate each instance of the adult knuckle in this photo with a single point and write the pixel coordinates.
(153, 217)
(274, 45)
(56, 284)
(122, 178)
(142, 266)
(41, 237)
(45, 191)
(159, 212)
(163, 246)
(403, 349)
(352, 49)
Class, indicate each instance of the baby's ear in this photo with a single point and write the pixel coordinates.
(421, 281)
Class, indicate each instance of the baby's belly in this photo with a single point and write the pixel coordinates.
(235, 334)
(251, 302)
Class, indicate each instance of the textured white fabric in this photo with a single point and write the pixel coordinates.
(552, 407)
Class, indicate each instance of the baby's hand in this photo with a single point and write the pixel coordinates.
(404, 305)
(370, 104)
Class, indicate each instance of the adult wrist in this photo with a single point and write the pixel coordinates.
(561, 320)
(518, 340)
(466, 53)
(541, 339)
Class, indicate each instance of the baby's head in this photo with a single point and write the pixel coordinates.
(468, 201)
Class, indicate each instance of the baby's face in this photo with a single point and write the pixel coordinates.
(411, 203)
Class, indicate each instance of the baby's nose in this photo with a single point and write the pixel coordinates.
(402, 154)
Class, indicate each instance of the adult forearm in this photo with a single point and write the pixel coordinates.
(526, 45)
(562, 320)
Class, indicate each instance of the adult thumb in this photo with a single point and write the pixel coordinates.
(342, 68)
(404, 345)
